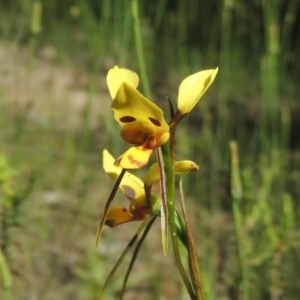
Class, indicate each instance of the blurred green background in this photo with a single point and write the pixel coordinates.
(55, 119)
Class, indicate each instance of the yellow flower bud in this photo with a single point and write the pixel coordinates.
(180, 167)
(185, 166)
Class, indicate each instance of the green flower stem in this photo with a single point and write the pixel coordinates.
(170, 190)
(167, 157)
(164, 204)
(193, 259)
(139, 47)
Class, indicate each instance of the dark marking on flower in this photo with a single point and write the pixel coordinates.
(127, 119)
(154, 121)
(135, 162)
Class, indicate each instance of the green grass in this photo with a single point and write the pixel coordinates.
(52, 132)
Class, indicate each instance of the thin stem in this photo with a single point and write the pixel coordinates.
(107, 205)
(237, 197)
(193, 259)
(167, 157)
(129, 246)
(164, 202)
(136, 251)
(139, 47)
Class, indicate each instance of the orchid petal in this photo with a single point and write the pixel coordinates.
(116, 76)
(134, 158)
(131, 186)
(192, 88)
(117, 216)
(130, 106)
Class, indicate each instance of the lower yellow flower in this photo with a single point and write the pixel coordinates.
(133, 189)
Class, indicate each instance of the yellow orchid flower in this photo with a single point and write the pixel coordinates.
(143, 124)
(192, 89)
(133, 189)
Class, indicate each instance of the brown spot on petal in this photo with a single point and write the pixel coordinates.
(135, 162)
(127, 119)
(154, 121)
